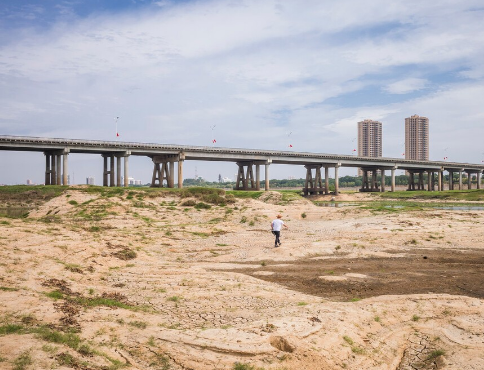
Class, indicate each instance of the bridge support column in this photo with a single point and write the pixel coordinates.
(257, 177)
(430, 180)
(336, 179)
(478, 180)
(54, 167)
(374, 182)
(441, 183)
(266, 176)
(420, 181)
(314, 185)
(393, 179)
(382, 186)
(126, 171)
(181, 159)
(112, 172)
(65, 168)
(53, 170)
(245, 179)
(460, 179)
(364, 180)
(118, 170)
(47, 168)
(163, 171)
(108, 170)
(58, 178)
(326, 180)
(469, 180)
(451, 180)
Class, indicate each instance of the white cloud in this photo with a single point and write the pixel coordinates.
(406, 86)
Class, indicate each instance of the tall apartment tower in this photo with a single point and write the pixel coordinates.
(417, 138)
(369, 139)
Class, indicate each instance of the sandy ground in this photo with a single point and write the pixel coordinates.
(190, 302)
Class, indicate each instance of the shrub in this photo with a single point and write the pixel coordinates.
(188, 203)
(202, 205)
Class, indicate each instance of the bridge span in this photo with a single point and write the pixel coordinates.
(164, 157)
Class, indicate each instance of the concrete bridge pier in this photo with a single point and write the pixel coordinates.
(56, 167)
(245, 178)
(478, 180)
(108, 169)
(382, 174)
(326, 180)
(313, 185)
(393, 179)
(181, 159)
(460, 178)
(266, 175)
(336, 179)
(163, 171)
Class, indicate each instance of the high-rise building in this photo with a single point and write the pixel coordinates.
(369, 139)
(417, 138)
(89, 180)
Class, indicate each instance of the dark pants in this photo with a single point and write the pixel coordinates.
(277, 234)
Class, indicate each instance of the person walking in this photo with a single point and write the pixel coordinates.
(276, 227)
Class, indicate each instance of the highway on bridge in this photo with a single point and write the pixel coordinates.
(56, 151)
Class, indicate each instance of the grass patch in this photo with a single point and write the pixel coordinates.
(56, 294)
(434, 354)
(22, 361)
(138, 324)
(11, 329)
(202, 205)
(241, 366)
(71, 340)
(242, 194)
(7, 289)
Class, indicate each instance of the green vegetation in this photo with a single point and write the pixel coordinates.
(434, 354)
(22, 361)
(22, 192)
(240, 366)
(7, 289)
(138, 324)
(10, 329)
(245, 194)
(415, 318)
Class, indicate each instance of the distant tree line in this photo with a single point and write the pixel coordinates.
(344, 182)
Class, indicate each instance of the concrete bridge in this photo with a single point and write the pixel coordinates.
(165, 156)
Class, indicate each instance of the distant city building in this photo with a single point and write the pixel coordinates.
(369, 139)
(417, 138)
(226, 179)
(89, 180)
(29, 182)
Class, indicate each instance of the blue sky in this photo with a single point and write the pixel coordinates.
(256, 70)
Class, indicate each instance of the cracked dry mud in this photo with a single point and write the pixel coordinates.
(204, 289)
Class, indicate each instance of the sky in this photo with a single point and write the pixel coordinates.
(291, 75)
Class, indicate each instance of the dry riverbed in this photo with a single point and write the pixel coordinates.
(155, 280)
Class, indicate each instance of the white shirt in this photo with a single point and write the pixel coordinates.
(277, 224)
